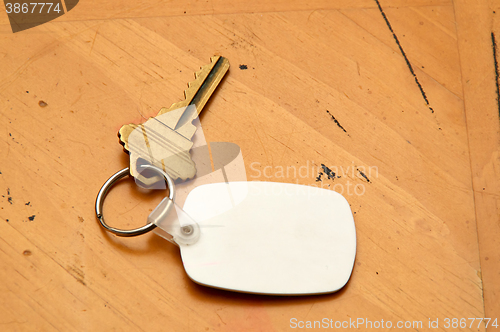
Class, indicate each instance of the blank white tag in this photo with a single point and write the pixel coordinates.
(269, 238)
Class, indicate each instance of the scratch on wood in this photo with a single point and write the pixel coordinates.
(308, 17)
(404, 55)
(364, 175)
(216, 312)
(77, 274)
(310, 309)
(336, 121)
(494, 46)
(282, 143)
(93, 41)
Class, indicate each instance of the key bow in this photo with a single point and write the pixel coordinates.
(165, 140)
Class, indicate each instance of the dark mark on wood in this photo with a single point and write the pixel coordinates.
(336, 121)
(404, 55)
(7, 220)
(27, 253)
(9, 200)
(27, 203)
(41, 103)
(243, 67)
(318, 178)
(363, 175)
(328, 172)
(32, 218)
(497, 74)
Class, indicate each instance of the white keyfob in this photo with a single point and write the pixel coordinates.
(266, 238)
(255, 237)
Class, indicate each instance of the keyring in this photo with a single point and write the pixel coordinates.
(99, 202)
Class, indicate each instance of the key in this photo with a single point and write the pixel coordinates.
(165, 140)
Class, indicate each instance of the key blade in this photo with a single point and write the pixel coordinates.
(207, 80)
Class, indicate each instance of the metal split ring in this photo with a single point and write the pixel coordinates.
(99, 202)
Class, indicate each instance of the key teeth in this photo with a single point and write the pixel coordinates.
(124, 133)
(189, 177)
(191, 85)
(198, 73)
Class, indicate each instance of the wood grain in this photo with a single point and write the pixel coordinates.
(325, 83)
(483, 112)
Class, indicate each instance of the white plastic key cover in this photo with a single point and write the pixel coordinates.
(270, 238)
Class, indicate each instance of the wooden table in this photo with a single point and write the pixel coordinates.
(407, 90)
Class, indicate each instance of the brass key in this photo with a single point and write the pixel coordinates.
(165, 140)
